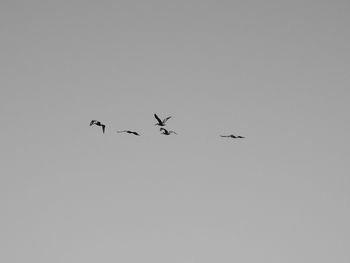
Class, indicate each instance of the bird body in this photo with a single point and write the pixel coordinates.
(130, 132)
(166, 132)
(161, 122)
(98, 123)
(232, 136)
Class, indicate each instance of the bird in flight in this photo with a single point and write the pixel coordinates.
(232, 136)
(130, 132)
(161, 122)
(166, 132)
(97, 123)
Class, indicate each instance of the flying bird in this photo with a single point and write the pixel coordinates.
(161, 122)
(232, 136)
(166, 132)
(97, 123)
(130, 132)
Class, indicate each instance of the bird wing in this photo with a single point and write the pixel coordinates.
(132, 132)
(163, 129)
(103, 128)
(159, 120)
(92, 122)
(166, 119)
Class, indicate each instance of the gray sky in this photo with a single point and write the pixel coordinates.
(276, 72)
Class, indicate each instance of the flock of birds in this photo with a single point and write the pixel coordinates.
(160, 123)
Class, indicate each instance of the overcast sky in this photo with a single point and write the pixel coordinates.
(276, 72)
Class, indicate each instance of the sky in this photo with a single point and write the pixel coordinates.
(275, 72)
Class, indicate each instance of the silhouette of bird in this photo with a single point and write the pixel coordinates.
(130, 132)
(97, 123)
(232, 136)
(161, 122)
(166, 132)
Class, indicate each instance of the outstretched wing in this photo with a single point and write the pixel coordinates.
(166, 119)
(159, 120)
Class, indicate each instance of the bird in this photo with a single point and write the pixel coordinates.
(161, 122)
(98, 123)
(232, 136)
(130, 132)
(166, 132)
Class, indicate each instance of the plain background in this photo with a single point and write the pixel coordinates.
(276, 72)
